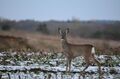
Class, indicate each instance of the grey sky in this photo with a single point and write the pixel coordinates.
(60, 9)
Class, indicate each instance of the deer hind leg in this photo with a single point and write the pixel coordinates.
(83, 71)
(86, 66)
(99, 66)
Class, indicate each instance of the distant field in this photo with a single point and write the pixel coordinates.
(52, 43)
(46, 61)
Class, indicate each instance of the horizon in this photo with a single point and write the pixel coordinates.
(2, 18)
(62, 10)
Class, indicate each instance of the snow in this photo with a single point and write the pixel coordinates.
(35, 67)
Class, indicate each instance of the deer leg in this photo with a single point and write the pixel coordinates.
(68, 66)
(87, 61)
(83, 71)
(99, 66)
(85, 67)
(69, 62)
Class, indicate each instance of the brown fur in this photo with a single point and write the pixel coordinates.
(74, 50)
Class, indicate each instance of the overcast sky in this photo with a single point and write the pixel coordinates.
(60, 9)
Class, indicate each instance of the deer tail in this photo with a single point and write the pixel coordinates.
(93, 50)
(94, 56)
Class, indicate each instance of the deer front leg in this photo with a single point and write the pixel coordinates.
(68, 66)
(69, 62)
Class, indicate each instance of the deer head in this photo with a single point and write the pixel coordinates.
(63, 33)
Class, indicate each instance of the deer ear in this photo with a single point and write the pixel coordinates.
(59, 30)
(67, 30)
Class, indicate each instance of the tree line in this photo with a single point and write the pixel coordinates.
(87, 29)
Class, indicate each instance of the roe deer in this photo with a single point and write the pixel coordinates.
(74, 50)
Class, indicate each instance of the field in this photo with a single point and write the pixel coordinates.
(30, 65)
(49, 42)
(46, 61)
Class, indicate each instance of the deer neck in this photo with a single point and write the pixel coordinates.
(65, 48)
(64, 43)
